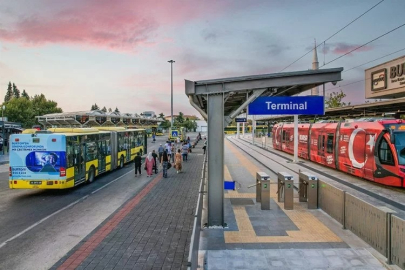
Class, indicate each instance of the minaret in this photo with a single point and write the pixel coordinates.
(315, 66)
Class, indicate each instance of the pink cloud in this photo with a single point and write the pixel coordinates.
(343, 48)
(120, 25)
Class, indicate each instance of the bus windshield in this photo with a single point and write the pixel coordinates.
(400, 146)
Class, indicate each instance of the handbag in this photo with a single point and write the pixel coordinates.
(169, 165)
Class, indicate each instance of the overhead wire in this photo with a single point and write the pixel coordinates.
(333, 35)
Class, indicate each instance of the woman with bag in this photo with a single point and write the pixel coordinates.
(178, 161)
(149, 163)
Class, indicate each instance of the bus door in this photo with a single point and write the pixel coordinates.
(127, 145)
(101, 156)
(80, 168)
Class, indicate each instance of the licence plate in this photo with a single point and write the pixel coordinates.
(35, 182)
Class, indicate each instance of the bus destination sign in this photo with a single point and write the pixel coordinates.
(305, 105)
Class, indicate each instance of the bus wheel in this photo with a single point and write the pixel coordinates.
(122, 162)
(91, 175)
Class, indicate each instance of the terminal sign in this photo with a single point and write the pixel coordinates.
(307, 105)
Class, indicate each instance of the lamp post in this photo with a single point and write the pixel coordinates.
(171, 72)
(2, 118)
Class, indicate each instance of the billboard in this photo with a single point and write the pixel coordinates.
(386, 80)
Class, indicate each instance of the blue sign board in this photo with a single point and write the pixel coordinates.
(174, 133)
(308, 105)
(240, 120)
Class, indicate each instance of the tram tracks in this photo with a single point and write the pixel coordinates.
(372, 194)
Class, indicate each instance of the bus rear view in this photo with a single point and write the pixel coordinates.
(37, 161)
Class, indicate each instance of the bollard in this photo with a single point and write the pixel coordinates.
(311, 189)
(286, 190)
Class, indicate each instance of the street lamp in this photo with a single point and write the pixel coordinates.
(171, 69)
(2, 118)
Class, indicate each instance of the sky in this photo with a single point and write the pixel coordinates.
(116, 53)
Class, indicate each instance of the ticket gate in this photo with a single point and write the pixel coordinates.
(285, 192)
(262, 190)
(308, 189)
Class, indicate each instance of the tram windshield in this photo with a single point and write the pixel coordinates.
(400, 146)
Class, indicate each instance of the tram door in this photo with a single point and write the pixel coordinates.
(369, 167)
(321, 149)
(101, 156)
(79, 161)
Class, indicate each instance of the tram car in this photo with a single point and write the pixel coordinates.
(372, 149)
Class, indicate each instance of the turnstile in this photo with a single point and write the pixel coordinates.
(308, 189)
(285, 192)
(260, 176)
(262, 190)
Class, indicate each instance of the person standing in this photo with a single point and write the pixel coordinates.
(149, 163)
(163, 162)
(178, 161)
(185, 151)
(169, 151)
(138, 164)
(153, 137)
(205, 145)
(154, 155)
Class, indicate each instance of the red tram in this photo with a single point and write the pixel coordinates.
(373, 149)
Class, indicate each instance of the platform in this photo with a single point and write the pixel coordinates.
(277, 238)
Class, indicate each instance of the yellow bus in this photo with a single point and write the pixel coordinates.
(232, 129)
(61, 158)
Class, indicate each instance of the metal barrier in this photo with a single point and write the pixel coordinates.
(308, 189)
(369, 223)
(398, 241)
(332, 201)
(285, 191)
(195, 236)
(262, 190)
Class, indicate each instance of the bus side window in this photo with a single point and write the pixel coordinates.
(70, 155)
(133, 139)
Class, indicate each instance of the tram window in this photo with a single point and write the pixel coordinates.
(385, 153)
(321, 143)
(400, 147)
(329, 143)
(284, 135)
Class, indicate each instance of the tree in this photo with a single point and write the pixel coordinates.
(165, 124)
(116, 110)
(161, 115)
(104, 109)
(25, 95)
(16, 92)
(109, 110)
(42, 106)
(20, 110)
(336, 100)
(180, 118)
(9, 93)
(95, 107)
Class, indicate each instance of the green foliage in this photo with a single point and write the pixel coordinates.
(9, 93)
(109, 110)
(116, 110)
(95, 107)
(16, 92)
(104, 109)
(20, 110)
(25, 95)
(42, 106)
(179, 119)
(165, 124)
(161, 115)
(335, 100)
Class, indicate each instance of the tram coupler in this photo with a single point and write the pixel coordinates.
(285, 192)
(308, 189)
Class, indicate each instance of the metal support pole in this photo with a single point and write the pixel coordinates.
(237, 130)
(171, 73)
(2, 118)
(253, 129)
(215, 160)
(295, 139)
(243, 130)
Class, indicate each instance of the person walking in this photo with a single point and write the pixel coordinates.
(154, 155)
(138, 164)
(153, 137)
(178, 161)
(205, 145)
(149, 163)
(160, 150)
(169, 151)
(185, 151)
(163, 162)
